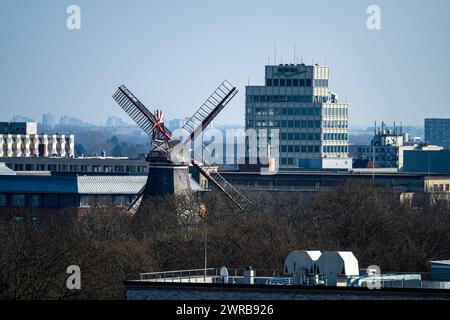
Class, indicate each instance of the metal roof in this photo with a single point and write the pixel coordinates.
(110, 184)
(107, 184)
(5, 171)
(447, 262)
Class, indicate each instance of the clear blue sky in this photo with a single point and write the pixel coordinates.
(172, 54)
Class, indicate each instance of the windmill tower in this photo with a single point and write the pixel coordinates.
(168, 160)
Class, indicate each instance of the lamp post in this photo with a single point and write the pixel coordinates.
(202, 213)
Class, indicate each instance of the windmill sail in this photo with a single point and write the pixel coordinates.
(208, 111)
(223, 185)
(137, 111)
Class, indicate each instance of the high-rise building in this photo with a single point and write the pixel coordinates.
(48, 120)
(437, 132)
(313, 125)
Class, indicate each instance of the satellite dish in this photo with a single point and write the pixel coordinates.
(224, 275)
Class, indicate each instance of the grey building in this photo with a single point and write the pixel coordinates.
(53, 192)
(437, 132)
(313, 125)
(387, 148)
(81, 165)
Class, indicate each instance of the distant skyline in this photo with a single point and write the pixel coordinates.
(173, 54)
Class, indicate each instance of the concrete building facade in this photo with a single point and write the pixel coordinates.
(387, 148)
(20, 139)
(296, 100)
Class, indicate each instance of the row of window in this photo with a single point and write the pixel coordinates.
(289, 82)
(279, 98)
(260, 111)
(75, 168)
(440, 188)
(316, 149)
(36, 200)
(289, 98)
(296, 136)
(35, 140)
(60, 201)
(287, 123)
(302, 149)
(334, 124)
(378, 149)
(335, 112)
(335, 136)
(335, 149)
(382, 158)
(305, 124)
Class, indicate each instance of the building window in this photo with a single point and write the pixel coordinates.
(35, 201)
(269, 82)
(2, 200)
(282, 82)
(275, 82)
(18, 200)
(121, 200)
(84, 201)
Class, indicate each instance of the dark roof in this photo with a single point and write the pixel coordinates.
(86, 184)
(72, 184)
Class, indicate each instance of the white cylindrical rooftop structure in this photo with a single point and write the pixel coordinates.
(301, 262)
(338, 263)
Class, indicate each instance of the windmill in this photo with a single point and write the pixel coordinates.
(168, 160)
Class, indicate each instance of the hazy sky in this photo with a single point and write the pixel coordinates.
(173, 54)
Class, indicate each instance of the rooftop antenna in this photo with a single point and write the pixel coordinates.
(248, 81)
(281, 59)
(294, 51)
(301, 60)
(401, 127)
(274, 53)
(373, 156)
(268, 61)
(325, 60)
